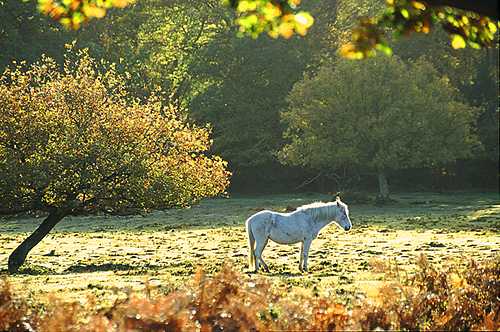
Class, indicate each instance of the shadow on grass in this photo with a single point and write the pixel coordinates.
(423, 221)
(284, 274)
(30, 269)
(85, 268)
(413, 211)
(35, 270)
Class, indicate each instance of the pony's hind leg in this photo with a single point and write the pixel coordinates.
(259, 248)
(301, 256)
(264, 265)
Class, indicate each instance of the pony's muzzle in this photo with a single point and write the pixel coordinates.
(347, 228)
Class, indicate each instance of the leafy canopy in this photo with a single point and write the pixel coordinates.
(157, 42)
(76, 139)
(277, 17)
(245, 96)
(380, 115)
(285, 18)
(73, 13)
(404, 17)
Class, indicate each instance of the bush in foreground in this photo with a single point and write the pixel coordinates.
(448, 299)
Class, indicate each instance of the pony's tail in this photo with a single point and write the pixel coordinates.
(251, 245)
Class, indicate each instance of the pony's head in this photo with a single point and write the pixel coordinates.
(343, 215)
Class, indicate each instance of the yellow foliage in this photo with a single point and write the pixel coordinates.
(93, 11)
(120, 3)
(78, 136)
(457, 42)
(418, 5)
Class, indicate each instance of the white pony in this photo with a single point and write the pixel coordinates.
(301, 225)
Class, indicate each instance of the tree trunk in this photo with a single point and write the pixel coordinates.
(383, 186)
(18, 256)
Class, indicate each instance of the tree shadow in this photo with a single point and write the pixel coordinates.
(413, 211)
(209, 214)
(428, 222)
(86, 268)
(277, 274)
(36, 270)
(30, 269)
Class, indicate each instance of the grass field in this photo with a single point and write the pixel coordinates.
(108, 256)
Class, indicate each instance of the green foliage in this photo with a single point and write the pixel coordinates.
(276, 17)
(77, 139)
(347, 15)
(73, 13)
(245, 94)
(403, 17)
(189, 49)
(473, 72)
(400, 17)
(26, 34)
(246, 84)
(157, 43)
(284, 18)
(368, 36)
(379, 115)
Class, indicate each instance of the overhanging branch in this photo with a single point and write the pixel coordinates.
(482, 7)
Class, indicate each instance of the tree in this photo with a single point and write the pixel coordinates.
(157, 41)
(75, 141)
(381, 115)
(472, 23)
(246, 93)
(26, 34)
(243, 87)
(474, 73)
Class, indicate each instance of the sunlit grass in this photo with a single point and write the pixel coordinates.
(109, 255)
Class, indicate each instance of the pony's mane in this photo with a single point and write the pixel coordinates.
(320, 209)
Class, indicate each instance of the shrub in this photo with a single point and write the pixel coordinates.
(449, 299)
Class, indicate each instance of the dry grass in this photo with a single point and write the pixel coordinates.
(452, 299)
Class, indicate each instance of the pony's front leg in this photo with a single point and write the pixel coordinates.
(307, 245)
(301, 256)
